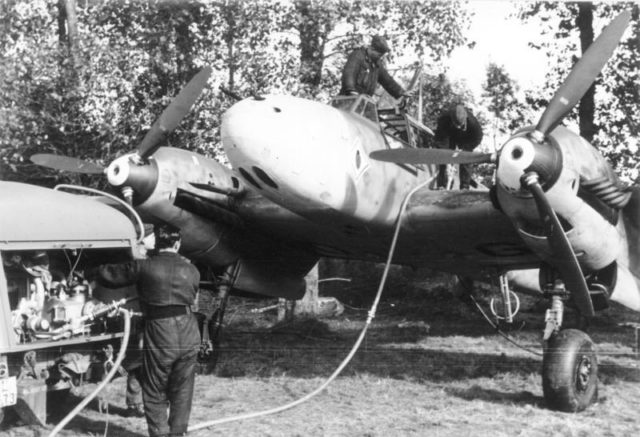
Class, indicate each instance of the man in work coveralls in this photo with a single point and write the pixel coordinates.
(365, 69)
(457, 128)
(167, 285)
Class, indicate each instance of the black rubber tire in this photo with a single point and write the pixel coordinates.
(570, 371)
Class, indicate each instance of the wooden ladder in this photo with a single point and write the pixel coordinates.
(395, 124)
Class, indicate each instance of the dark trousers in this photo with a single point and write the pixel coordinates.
(465, 176)
(169, 364)
(133, 364)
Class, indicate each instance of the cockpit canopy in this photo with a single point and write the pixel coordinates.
(361, 104)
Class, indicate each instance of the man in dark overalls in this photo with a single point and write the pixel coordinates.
(365, 69)
(457, 128)
(167, 285)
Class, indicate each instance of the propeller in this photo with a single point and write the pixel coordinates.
(566, 97)
(431, 156)
(174, 113)
(66, 163)
(564, 257)
(583, 74)
(168, 120)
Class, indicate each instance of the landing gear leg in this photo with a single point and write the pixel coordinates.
(210, 349)
(510, 303)
(569, 364)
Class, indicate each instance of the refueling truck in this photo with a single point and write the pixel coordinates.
(50, 339)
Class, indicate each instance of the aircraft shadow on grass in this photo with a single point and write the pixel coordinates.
(411, 355)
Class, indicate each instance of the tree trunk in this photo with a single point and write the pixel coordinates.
(312, 36)
(68, 79)
(587, 104)
(62, 23)
(229, 39)
(68, 28)
(188, 14)
(309, 302)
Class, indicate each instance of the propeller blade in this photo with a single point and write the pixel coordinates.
(66, 163)
(567, 263)
(174, 113)
(583, 74)
(431, 156)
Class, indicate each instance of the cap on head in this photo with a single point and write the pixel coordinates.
(458, 115)
(36, 263)
(40, 258)
(379, 44)
(166, 235)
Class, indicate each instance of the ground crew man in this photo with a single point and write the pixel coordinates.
(365, 69)
(133, 360)
(457, 128)
(167, 285)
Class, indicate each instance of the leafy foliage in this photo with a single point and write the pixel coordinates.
(132, 56)
(500, 93)
(617, 115)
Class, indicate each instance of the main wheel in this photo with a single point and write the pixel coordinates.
(570, 371)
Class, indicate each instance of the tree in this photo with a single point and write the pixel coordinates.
(90, 84)
(500, 94)
(615, 123)
(328, 30)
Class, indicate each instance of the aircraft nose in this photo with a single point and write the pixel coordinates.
(285, 142)
(253, 128)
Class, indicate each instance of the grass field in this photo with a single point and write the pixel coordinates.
(428, 367)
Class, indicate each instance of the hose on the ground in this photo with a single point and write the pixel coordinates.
(354, 349)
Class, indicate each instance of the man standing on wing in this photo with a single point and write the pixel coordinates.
(365, 69)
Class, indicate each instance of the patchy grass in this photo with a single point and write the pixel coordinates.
(428, 366)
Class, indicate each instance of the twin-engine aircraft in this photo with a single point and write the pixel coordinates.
(312, 180)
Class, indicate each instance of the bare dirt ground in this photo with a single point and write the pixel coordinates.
(428, 366)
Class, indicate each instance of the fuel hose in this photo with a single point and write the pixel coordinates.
(354, 349)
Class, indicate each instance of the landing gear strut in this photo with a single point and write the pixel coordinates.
(569, 364)
(211, 327)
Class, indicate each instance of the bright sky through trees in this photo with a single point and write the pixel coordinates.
(502, 39)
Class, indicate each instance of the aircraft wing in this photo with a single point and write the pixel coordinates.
(456, 231)
(461, 232)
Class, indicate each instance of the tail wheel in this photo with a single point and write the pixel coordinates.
(570, 371)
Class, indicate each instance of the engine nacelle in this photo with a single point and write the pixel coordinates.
(591, 233)
(205, 240)
(212, 233)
